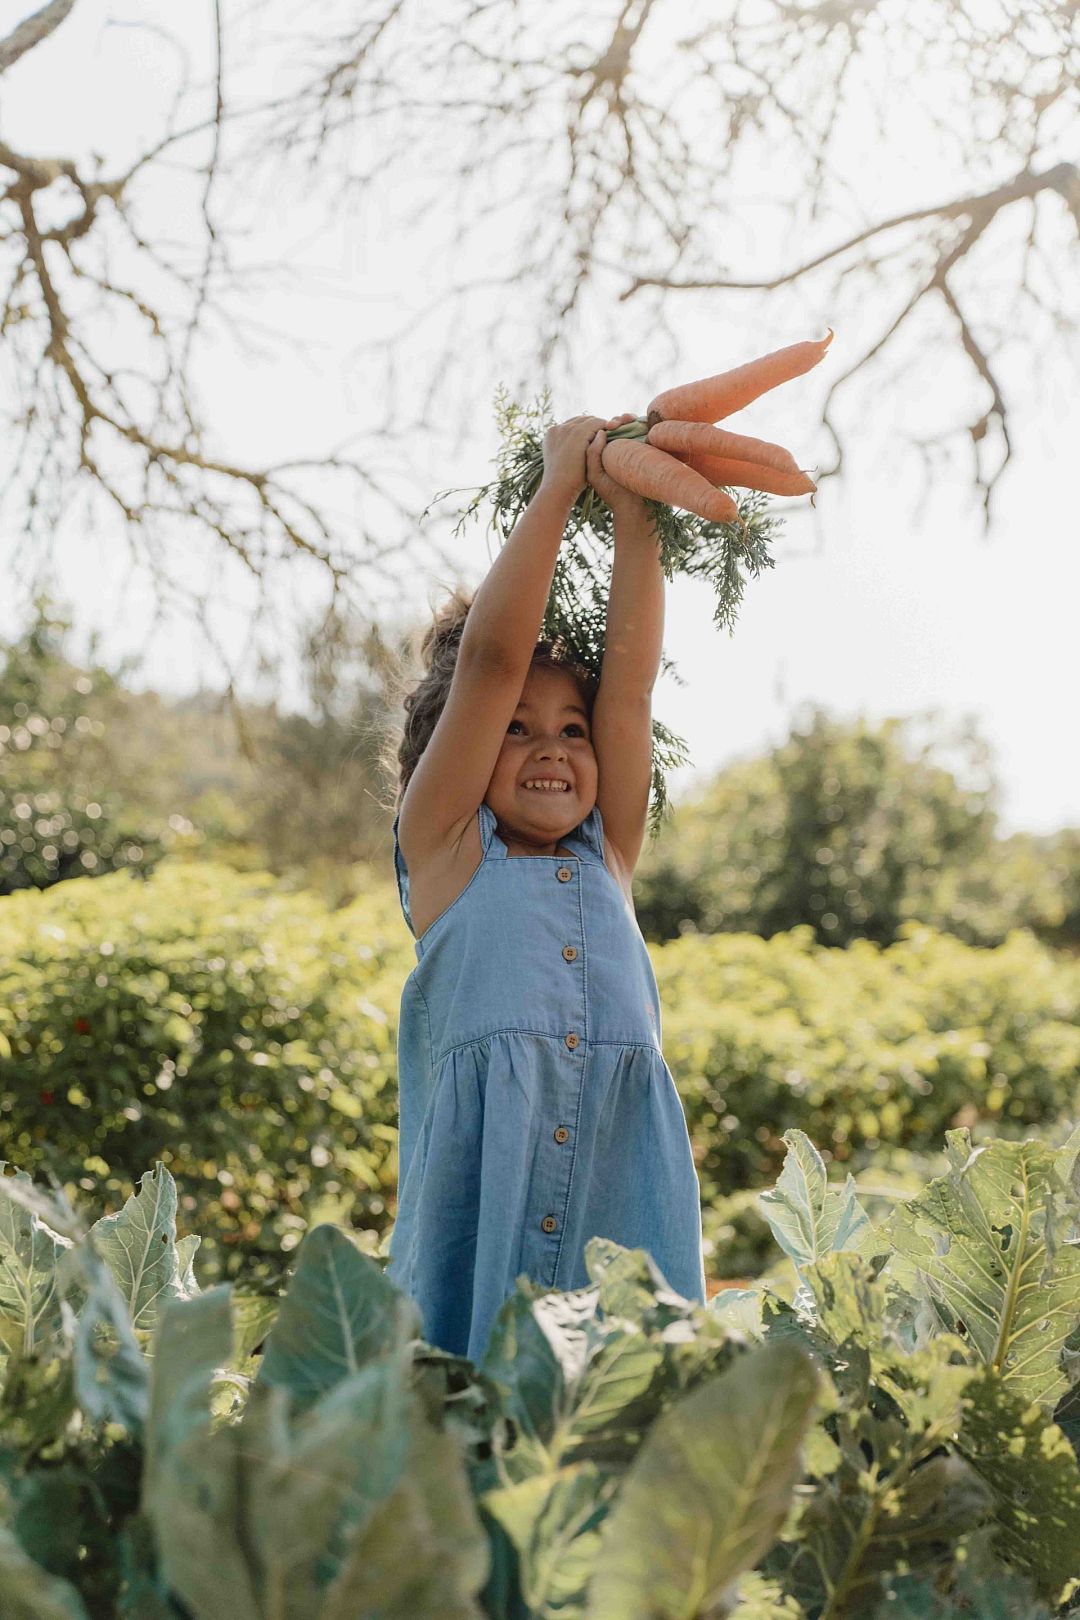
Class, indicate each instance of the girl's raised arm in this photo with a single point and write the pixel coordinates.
(497, 643)
(633, 643)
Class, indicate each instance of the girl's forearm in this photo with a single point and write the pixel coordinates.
(634, 631)
(507, 613)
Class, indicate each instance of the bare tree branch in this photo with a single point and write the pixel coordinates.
(134, 434)
(614, 150)
(617, 159)
(32, 31)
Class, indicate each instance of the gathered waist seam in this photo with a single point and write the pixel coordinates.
(544, 1034)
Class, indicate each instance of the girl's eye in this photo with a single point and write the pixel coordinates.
(571, 725)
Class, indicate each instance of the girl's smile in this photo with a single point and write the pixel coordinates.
(548, 784)
(544, 782)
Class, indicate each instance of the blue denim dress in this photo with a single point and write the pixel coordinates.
(536, 1108)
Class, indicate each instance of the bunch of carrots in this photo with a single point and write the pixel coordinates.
(674, 454)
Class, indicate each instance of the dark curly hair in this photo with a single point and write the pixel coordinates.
(424, 699)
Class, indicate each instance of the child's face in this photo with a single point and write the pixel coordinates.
(549, 736)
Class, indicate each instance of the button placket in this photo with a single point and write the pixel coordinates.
(572, 1040)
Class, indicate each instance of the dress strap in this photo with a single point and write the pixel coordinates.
(591, 832)
(491, 844)
(402, 878)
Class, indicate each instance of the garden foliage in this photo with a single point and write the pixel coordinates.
(900, 1438)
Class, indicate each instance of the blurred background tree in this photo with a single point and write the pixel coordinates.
(855, 829)
(96, 775)
(850, 827)
(73, 802)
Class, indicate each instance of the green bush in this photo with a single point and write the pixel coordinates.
(246, 1036)
(874, 1053)
(238, 1032)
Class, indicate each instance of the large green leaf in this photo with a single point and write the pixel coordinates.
(892, 1498)
(740, 1310)
(888, 1506)
(314, 1479)
(554, 1522)
(808, 1217)
(996, 1595)
(632, 1286)
(144, 1596)
(62, 1522)
(110, 1370)
(576, 1388)
(708, 1491)
(1033, 1472)
(138, 1244)
(253, 1316)
(350, 1509)
(423, 1553)
(340, 1311)
(984, 1246)
(27, 1592)
(192, 1491)
(695, 1340)
(193, 1338)
(29, 1251)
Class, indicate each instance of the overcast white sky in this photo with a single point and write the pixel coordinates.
(877, 604)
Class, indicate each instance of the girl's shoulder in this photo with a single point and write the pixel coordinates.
(440, 876)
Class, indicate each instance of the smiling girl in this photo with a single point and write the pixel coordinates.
(536, 1107)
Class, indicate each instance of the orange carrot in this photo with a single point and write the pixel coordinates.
(712, 398)
(751, 475)
(700, 439)
(647, 471)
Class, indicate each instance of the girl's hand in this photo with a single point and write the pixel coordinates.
(617, 496)
(564, 454)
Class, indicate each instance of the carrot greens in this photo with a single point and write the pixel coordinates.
(722, 554)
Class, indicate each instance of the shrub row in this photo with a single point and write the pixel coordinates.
(212, 1019)
(246, 1036)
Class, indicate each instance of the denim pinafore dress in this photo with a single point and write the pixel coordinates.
(535, 1107)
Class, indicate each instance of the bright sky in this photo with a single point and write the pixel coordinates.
(881, 602)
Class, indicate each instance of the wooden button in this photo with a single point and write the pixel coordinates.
(561, 1133)
(564, 874)
(571, 1040)
(569, 952)
(549, 1223)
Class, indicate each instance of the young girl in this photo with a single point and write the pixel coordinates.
(536, 1108)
